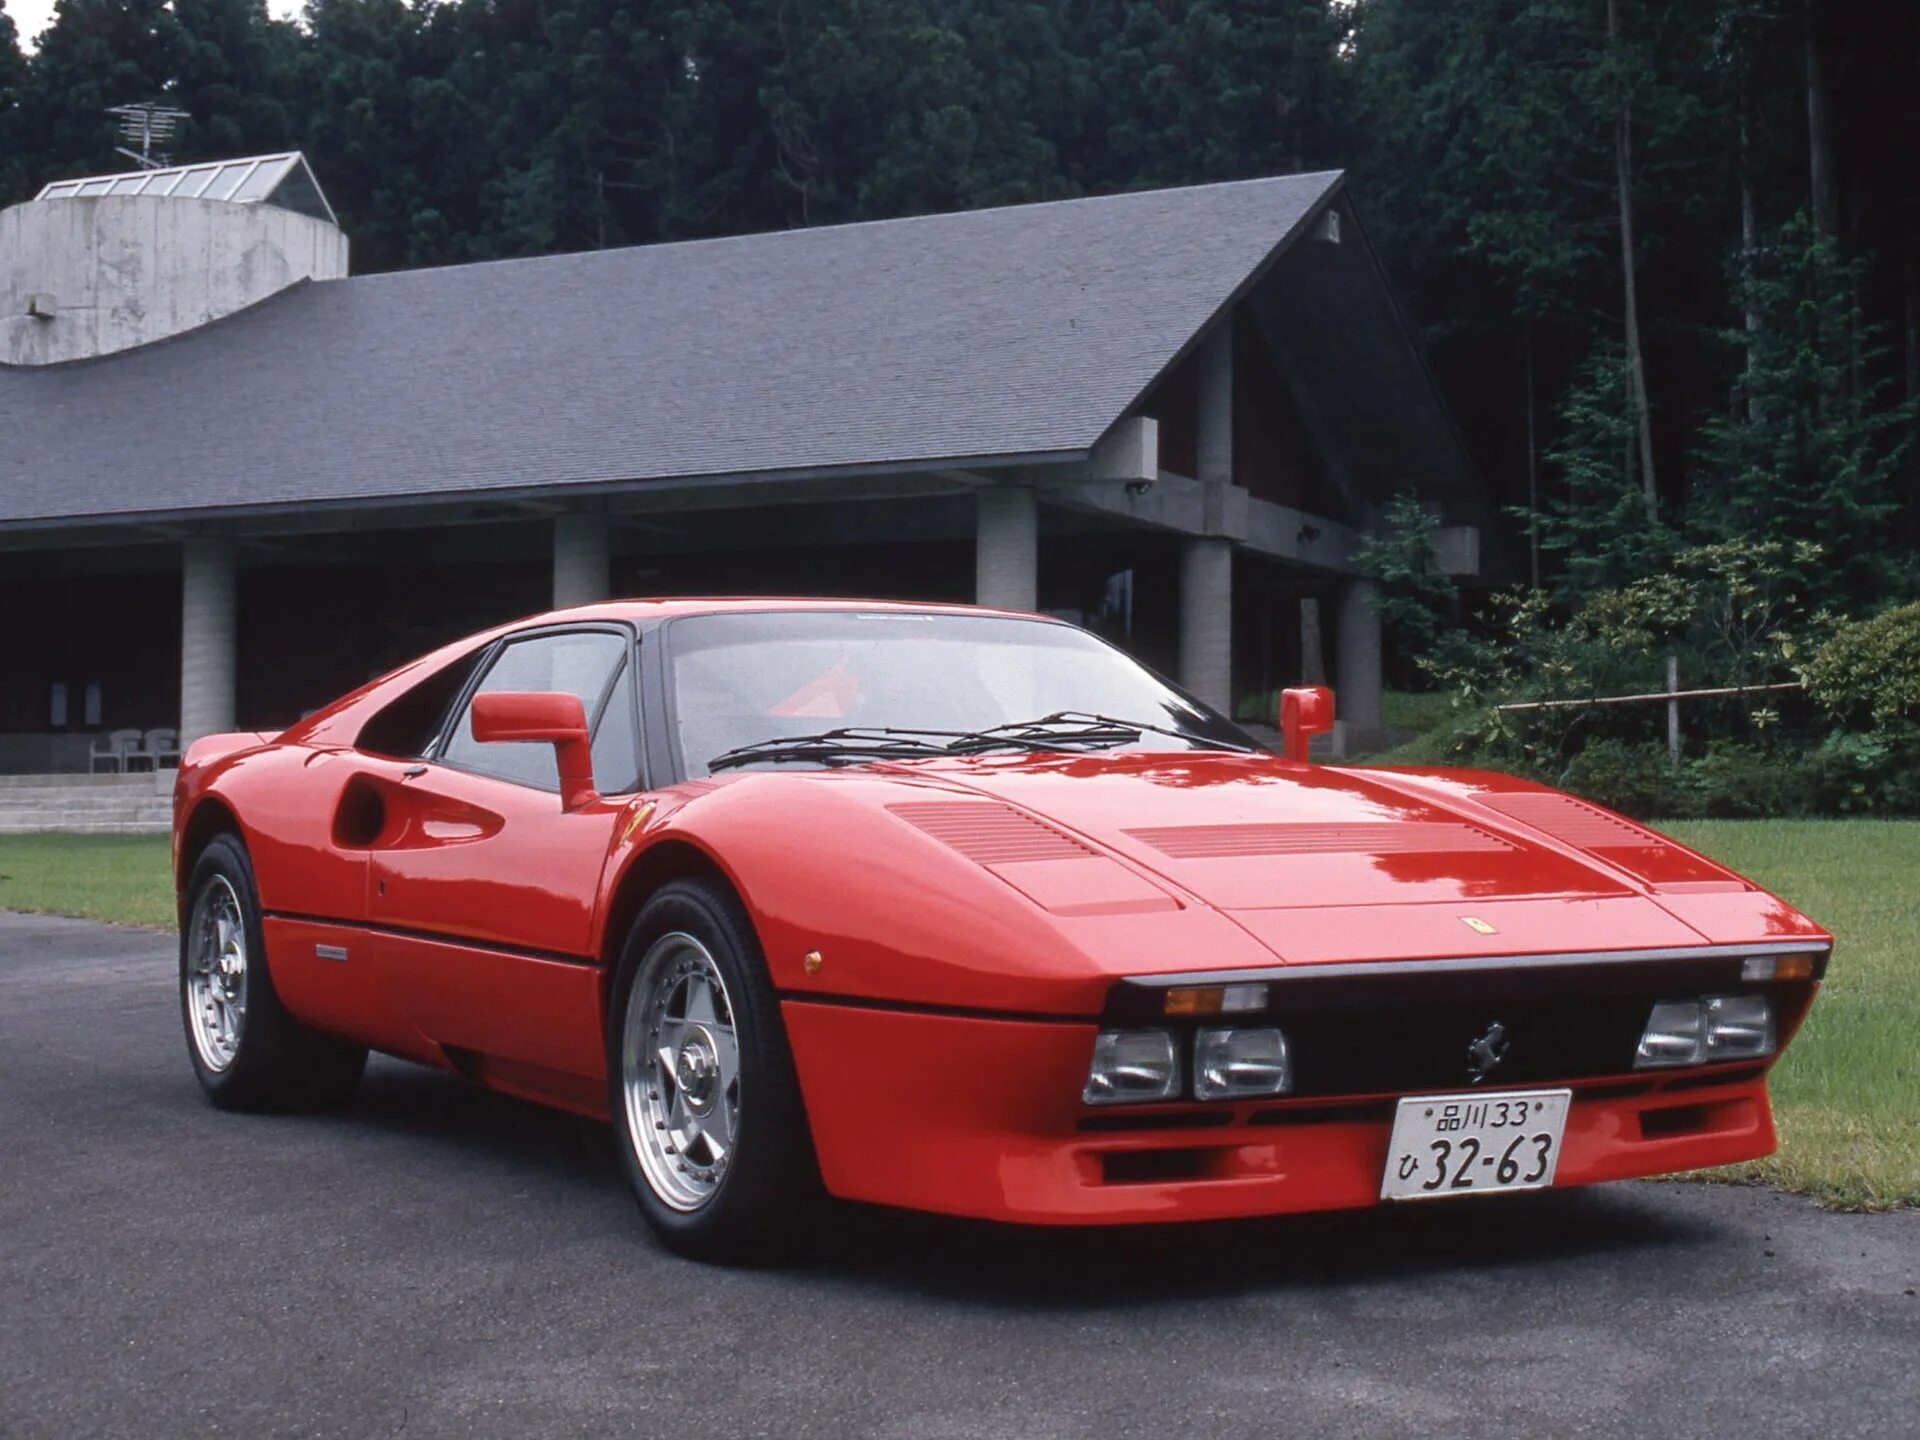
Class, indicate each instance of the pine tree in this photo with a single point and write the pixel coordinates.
(1812, 438)
(14, 180)
(1597, 525)
(96, 54)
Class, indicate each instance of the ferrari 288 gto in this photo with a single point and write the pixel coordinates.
(960, 910)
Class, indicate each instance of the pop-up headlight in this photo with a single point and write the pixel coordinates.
(1230, 1064)
(1130, 1066)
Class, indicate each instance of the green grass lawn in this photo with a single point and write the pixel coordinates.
(121, 878)
(1847, 1093)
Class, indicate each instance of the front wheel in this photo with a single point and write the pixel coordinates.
(704, 1098)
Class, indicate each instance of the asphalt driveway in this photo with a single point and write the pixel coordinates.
(441, 1262)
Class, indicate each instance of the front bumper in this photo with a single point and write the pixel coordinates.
(981, 1117)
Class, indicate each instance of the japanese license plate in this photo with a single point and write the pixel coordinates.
(1474, 1144)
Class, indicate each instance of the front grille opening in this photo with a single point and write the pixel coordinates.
(1324, 1114)
(1695, 1119)
(1677, 1120)
(1163, 1120)
(1614, 1092)
(1148, 1167)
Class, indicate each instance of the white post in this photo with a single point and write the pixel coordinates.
(582, 560)
(206, 637)
(1006, 557)
(1673, 712)
(1357, 672)
(1206, 561)
(1206, 620)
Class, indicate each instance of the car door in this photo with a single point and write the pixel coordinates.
(483, 888)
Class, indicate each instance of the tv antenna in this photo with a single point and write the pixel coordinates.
(146, 125)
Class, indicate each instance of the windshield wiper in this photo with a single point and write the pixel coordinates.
(1062, 732)
(890, 742)
(844, 744)
(1087, 725)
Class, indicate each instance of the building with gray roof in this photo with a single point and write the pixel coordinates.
(236, 479)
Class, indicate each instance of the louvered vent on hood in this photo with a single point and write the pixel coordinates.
(1651, 857)
(989, 833)
(1409, 837)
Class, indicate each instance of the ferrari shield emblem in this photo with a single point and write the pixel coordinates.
(1477, 925)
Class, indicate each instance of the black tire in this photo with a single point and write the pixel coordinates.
(274, 1062)
(766, 1189)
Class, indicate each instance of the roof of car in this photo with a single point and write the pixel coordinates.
(668, 607)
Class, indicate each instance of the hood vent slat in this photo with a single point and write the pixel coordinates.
(1401, 837)
(990, 833)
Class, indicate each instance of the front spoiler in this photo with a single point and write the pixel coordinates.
(981, 1117)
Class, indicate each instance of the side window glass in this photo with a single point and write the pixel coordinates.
(580, 662)
(616, 764)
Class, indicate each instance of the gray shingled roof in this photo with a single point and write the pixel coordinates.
(1022, 331)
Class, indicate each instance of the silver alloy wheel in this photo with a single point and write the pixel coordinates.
(680, 1071)
(217, 974)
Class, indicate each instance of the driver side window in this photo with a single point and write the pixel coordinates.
(587, 663)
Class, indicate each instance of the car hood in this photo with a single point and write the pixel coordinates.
(1321, 862)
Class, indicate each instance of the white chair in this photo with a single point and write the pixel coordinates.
(117, 749)
(162, 748)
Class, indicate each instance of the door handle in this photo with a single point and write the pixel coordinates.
(413, 773)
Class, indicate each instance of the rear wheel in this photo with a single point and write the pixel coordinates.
(704, 1097)
(247, 1051)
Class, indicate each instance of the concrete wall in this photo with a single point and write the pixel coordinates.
(111, 273)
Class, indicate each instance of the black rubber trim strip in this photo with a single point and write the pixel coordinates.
(1480, 964)
(955, 1012)
(435, 937)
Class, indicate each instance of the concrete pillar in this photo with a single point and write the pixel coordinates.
(582, 560)
(1006, 560)
(1206, 620)
(1357, 662)
(206, 638)
(1206, 561)
(1213, 435)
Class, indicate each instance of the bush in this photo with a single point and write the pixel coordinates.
(1868, 671)
(1734, 781)
(1633, 779)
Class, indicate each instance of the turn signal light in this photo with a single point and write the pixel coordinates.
(1776, 967)
(1216, 999)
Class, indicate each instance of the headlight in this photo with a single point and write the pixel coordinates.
(1228, 1064)
(1738, 1026)
(1132, 1065)
(1715, 1027)
(1672, 1036)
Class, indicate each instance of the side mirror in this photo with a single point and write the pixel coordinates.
(552, 716)
(1305, 712)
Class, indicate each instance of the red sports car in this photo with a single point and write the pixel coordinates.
(965, 911)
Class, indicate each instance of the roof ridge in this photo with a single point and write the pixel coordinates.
(1328, 177)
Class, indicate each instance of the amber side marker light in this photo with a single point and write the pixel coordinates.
(1215, 999)
(1777, 967)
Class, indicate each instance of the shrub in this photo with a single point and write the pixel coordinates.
(1735, 781)
(1868, 671)
(1633, 779)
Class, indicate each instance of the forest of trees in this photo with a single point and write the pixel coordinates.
(1663, 257)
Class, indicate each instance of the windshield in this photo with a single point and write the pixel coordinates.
(741, 680)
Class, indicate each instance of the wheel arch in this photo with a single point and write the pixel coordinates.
(659, 864)
(210, 817)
